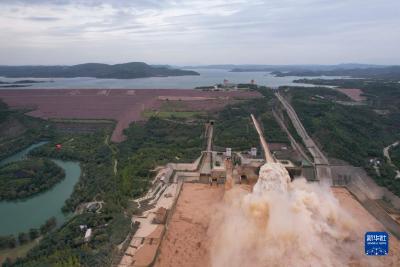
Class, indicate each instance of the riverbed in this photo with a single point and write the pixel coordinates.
(21, 215)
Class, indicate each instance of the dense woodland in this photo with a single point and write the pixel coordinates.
(234, 127)
(148, 145)
(388, 73)
(272, 130)
(154, 143)
(395, 156)
(18, 131)
(97, 182)
(351, 133)
(4, 111)
(65, 246)
(28, 177)
(95, 158)
(380, 94)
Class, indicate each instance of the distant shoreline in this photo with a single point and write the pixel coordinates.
(131, 70)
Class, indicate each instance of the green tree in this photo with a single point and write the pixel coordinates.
(7, 242)
(48, 226)
(33, 233)
(7, 262)
(23, 238)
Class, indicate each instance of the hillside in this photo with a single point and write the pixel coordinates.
(350, 70)
(302, 68)
(18, 131)
(388, 73)
(96, 70)
(354, 134)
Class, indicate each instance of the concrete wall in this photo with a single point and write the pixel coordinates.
(364, 183)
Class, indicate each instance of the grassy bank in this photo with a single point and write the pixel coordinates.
(174, 114)
(18, 131)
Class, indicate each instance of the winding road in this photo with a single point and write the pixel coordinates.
(387, 156)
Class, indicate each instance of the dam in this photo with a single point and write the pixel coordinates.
(252, 214)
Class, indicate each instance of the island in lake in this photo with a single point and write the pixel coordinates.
(130, 70)
(20, 83)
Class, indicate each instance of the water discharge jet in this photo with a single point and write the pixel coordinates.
(273, 223)
(267, 152)
(283, 223)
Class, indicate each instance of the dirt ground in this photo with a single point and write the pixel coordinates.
(355, 94)
(186, 242)
(123, 106)
(366, 222)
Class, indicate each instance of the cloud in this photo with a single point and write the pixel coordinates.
(42, 18)
(273, 31)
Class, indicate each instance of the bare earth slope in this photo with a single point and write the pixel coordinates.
(123, 106)
(186, 242)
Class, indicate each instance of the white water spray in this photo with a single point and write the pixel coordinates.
(283, 224)
(272, 177)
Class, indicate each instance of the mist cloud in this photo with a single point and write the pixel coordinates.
(283, 223)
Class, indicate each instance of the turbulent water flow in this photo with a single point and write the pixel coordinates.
(283, 223)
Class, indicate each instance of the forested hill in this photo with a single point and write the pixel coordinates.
(96, 70)
(351, 70)
(387, 73)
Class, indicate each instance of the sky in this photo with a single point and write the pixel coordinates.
(199, 32)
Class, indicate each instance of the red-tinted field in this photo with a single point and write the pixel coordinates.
(355, 94)
(124, 106)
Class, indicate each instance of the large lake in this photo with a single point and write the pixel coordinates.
(21, 215)
(206, 77)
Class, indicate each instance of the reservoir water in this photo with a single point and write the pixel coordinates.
(21, 215)
(207, 77)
